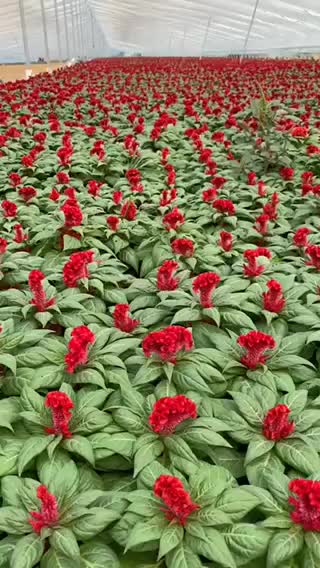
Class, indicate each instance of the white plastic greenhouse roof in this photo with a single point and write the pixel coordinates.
(78, 28)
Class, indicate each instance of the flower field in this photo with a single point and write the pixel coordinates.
(160, 315)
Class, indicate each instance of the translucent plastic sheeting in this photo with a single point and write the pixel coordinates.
(193, 27)
(68, 27)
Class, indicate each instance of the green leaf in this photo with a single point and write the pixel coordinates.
(32, 448)
(146, 454)
(237, 502)
(247, 541)
(14, 520)
(284, 545)
(64, 483)
(54, 559)
(8, 361)
(249, 408)
(98, 555)
(143, 532)
(172, 536)
(93, 523)
(182, 557)
(27, 552)
(312, 540)
(31, 400)
(213, 547)
(299, 455)
(81, 446)
(257, 447)
(64, 541)
(296, 401)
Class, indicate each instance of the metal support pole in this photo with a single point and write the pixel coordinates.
(56, 12)
(184, 39)
(206, 33)
(24, 33)
(81, 31)
(249, 29)
(66, 31)
(93, 46)
(45, 32)
(73, 30)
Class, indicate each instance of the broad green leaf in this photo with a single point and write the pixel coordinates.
(172, 536)
(145, 531)
(299, 455)
(27, 552)
(247, 541)
(182, 557)
(95, 554)
(32, 448)
(64, 541)
(284, 545)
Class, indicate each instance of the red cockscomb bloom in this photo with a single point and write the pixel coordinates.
(218, 137)
(312, 149)
(183, 247)
(128, 210)
(178, 503)
(256, 343)
(133, 176)
(40, 300)
(165, 278)
(306, 503)
(27, 193)
(287, 173)
(113, 222)
(77, 268)
(313, 251)
(49, 515)
(72, 213)
(262, 192)
(173, 220)
(3, 245)
(204, 284)
(226, 241)
(219, 181)
(261, 224)
(15, 179)
(28, 161)
(117, 197)
(60, 405)
(167, 197)
(54, 195)
(64, 154)
(224, 206)
(19, 236)
(122, 320)
(300, 132)
(300, 238)
(168, 342)
(252, 178)
(276, 423)
(63, 178)
(274, 300)
(209, 195)
(81, 338)
(40, 137)
(9, 208)
(271, 207)
(253, 269)
(94, 188)
(169, 412)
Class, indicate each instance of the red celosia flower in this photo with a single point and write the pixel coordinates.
(3, 245)
(178, 503)
(262, 192)
(300, 132)
(184, 247)
(72, 213)
(173, 220)
(49, 514)
(270, 208)
(133, 176)
(300, 238)
(117, 197)
(54, 195)
(64, 154)
(226, 241)
(224, 206)
(122, 320)
(218, 137)
(60, 405)
(19, 236)
(40, 300)
(27, 193)
(253, 269)
(261, 224)
(274, 300)
(165, 155)
(219, 181)
(209, 195)
(252, 178)
(63, 178)
(40, 137)
(81, 338)
(27, 161)
(15, 179)
(165, 278)
(167, 196)
(71, 193)
(313, 251)
(171, 178)
(94, 188)
(169, 412)
(307, 504)
(312, 149)
(204, 284)
(9, 209)
(168, 342)
(287, 173)
(256, 343)
(276, 424)
(128, 210)
(77, 268)
(113, 222)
